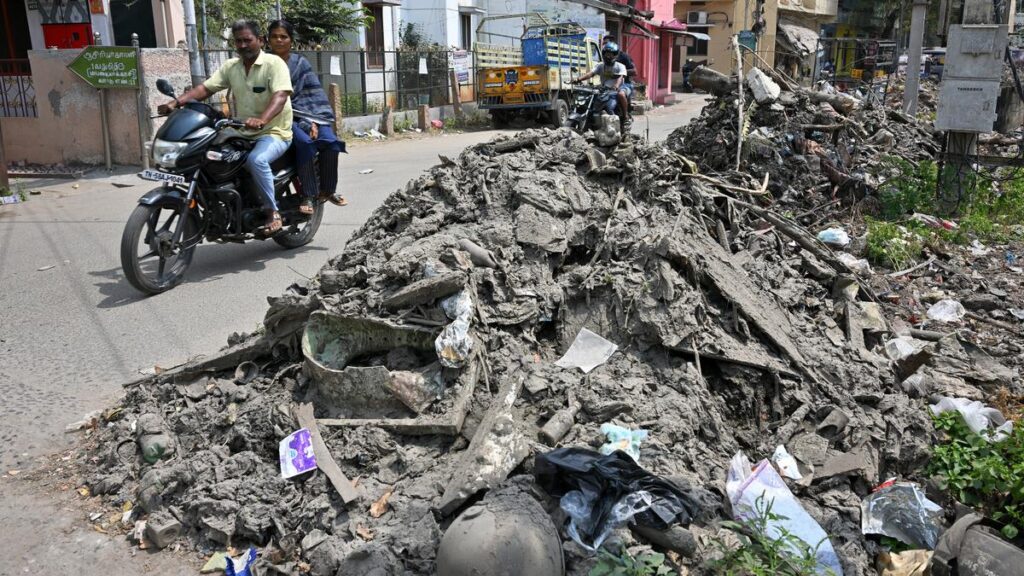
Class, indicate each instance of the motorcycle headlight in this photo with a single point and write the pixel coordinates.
(166, 153)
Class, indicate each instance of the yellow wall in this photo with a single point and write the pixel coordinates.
(720, 56)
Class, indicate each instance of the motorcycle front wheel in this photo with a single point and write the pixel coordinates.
(152, 263)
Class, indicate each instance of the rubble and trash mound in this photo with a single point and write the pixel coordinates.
(513, 300)
(807, 149)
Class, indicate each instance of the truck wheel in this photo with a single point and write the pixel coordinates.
(560, 114)
(499, 118)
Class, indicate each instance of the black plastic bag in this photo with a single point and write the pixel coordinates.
(605, 481)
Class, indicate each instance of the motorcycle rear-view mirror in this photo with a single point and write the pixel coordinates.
(165, 87)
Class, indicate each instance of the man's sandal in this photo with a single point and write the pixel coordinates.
(306, 207)
(273, 225)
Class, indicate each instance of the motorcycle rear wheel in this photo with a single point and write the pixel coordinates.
(301, 233)
(150, 262)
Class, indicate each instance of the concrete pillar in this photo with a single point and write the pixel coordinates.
(914, 57)
(424, 117)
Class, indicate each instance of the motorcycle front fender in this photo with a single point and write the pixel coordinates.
(168, 196)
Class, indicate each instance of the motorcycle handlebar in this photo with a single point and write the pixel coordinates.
(229, 123)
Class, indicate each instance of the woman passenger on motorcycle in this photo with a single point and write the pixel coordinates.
(308, 99)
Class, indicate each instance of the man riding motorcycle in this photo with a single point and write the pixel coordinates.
(612, 72)
(626, 91)
(261, 86)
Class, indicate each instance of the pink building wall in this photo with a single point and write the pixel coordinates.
(653, 58)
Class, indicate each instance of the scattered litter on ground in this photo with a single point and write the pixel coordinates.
(366, 171)
(588, 351)
(45, 268)
(748, 485)
(983, 420)
(900, 510)
(623, 439)
(947, 311)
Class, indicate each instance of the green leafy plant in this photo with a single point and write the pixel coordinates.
(761, 554)
(315, 21)
(892, 245)
(907, 188)
(982, 474)
(625, 564)
(17, 190)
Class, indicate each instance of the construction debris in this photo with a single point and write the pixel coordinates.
(422, 359)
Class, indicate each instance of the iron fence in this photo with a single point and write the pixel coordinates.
(369, 81)
(17, 94)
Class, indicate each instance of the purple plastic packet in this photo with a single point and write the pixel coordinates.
(296, 454)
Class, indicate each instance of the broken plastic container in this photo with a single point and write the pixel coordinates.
(947, 311)
(834, 237)
(746, 486)
(902, 511)
(978, 417)
(623, 439)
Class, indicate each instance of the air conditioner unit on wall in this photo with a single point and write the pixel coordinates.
(696, 17)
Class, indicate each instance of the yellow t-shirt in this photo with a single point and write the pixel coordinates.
(252, 91)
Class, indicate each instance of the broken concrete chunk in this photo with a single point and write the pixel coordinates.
(426, 290)
(496, 449)
(162, 529)
(841, 464)
(809, 448)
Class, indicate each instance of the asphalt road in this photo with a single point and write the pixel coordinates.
(72, 330)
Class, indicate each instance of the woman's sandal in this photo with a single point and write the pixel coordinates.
(337, 199)
(273, 225)
(306, 207)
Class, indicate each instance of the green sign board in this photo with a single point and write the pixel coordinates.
(748, 39)
(107, 66)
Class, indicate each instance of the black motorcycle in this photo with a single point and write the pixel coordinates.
(589, 102)
(206, 194)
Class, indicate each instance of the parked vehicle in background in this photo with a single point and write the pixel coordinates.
(533, 76)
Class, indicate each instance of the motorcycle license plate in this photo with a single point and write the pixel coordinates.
(158, 176)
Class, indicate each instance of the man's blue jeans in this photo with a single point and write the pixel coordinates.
(267, 149)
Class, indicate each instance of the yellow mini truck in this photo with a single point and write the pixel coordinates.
(534, 76)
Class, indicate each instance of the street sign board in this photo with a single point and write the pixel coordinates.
(107, 66)
(748, 39)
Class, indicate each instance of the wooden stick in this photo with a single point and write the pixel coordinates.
(927, 262)
(996, 323)
(739, 121)
(721, 184)
(324, 461)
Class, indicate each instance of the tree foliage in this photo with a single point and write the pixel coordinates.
(315, 21)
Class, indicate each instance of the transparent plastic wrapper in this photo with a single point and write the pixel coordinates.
(899, 348)
(855, 264)
(786, 463)
(454, 344)
(623, 439)
(581, 513)
(901, 511)
(983, 420)
(588, 351)
(947, 311)
(745, 486)
(834, 237)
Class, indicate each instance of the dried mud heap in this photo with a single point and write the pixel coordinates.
(737, 330)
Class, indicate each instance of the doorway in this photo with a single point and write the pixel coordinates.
(128, 16)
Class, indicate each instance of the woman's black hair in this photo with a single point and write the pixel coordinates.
(282, 24)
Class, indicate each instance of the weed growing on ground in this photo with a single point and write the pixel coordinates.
(17, 190)
(892, 245)
(982, 474)
(991, 210)
(625, 564)
(761, 554)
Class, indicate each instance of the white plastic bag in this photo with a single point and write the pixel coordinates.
(977, 416)
(834, 237)
(588, 351)
(899, 348)
(746, 486)
(947, 311)
(855, 264)
(580, 511)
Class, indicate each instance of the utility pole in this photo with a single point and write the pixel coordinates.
(5, 184)
(917, 18)
(195, 64)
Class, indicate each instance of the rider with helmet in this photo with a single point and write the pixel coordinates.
(612, 72)
(626, 91)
